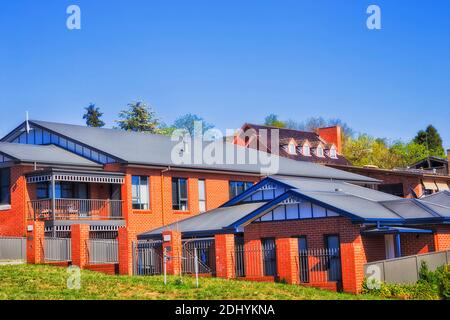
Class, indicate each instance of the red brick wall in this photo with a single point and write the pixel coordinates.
(412, 244)
(160, 212)
(13, 221)
(442, 238)
(110, 268)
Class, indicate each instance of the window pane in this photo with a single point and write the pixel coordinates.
(201, 190)
(175, 194)
(42, 190)
(140, 192)
(183, 188)
(5, 190)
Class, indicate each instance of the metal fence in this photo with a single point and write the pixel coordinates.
(57, 249)
(103, 251)
(67, 209)
(13, 248)
(255, 261)
(405, 269)
(319, 265)
(147, 258)
(206, 254)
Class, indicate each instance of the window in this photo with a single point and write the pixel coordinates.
(319, 151)
(140, 193)
(179, 194)
(291, 148)
(42, 190)
(5, 190)
(333, 153)
(201, 195)
(306, 150)
(237, 187)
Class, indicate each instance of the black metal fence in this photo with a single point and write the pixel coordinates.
(255, 261)
(147, 258)
(206, 254)
(320, 265)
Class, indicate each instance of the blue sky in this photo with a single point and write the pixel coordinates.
(230, 61)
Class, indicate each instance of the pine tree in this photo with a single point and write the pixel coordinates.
(138, 117)
(92, 116)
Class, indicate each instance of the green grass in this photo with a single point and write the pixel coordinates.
(28, 282)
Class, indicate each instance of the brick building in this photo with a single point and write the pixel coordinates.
(325, 147)
(315, 232)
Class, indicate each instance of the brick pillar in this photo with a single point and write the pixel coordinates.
(173, 248)
(225, 257)
(126, 239)
(352, 264)
(80, 235)
(287, 260)
(35, 242)
(253, 259)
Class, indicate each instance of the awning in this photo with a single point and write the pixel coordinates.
(76, 176)
(442, 186)
(429, 185)
(394, 230)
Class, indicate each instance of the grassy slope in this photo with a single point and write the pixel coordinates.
(46, 282)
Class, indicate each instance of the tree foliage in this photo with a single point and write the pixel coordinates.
(431, 140)
(188, 121)
(273, 121)
(138, 117)
(93, 116)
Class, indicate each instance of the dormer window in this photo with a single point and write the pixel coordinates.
(291, 148)
(319, 151)
(306, 150)
(333, 153)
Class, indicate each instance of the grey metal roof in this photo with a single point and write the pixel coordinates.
(354, 205)
(408, 209)
(442, 198)
(150, 149)
(305, 184)
(48, 154)
(391, 230)
(213, 220)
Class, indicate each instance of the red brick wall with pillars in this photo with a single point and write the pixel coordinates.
(126, 238)
(35, 243)
(287, 260)
(353, 255)
(13, 220)
(80, 235)
(225, 255)
(173, 249)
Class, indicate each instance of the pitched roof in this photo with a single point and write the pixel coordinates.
(299, 136)
(442, 198)
(208, 223)
(48, 154)
(151, 149)
(361, 205)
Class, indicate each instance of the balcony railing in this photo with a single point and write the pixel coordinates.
(75, 209)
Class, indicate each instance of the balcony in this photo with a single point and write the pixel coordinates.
(75, 209)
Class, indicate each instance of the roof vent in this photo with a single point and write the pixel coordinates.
(338, 190)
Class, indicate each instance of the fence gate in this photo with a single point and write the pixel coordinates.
(206, 254)
(13, 248)
(57, 249)
(147, 258)
(269, 257)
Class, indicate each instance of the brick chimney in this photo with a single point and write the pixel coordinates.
(332, 135)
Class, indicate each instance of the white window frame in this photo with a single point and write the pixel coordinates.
(304, 148)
